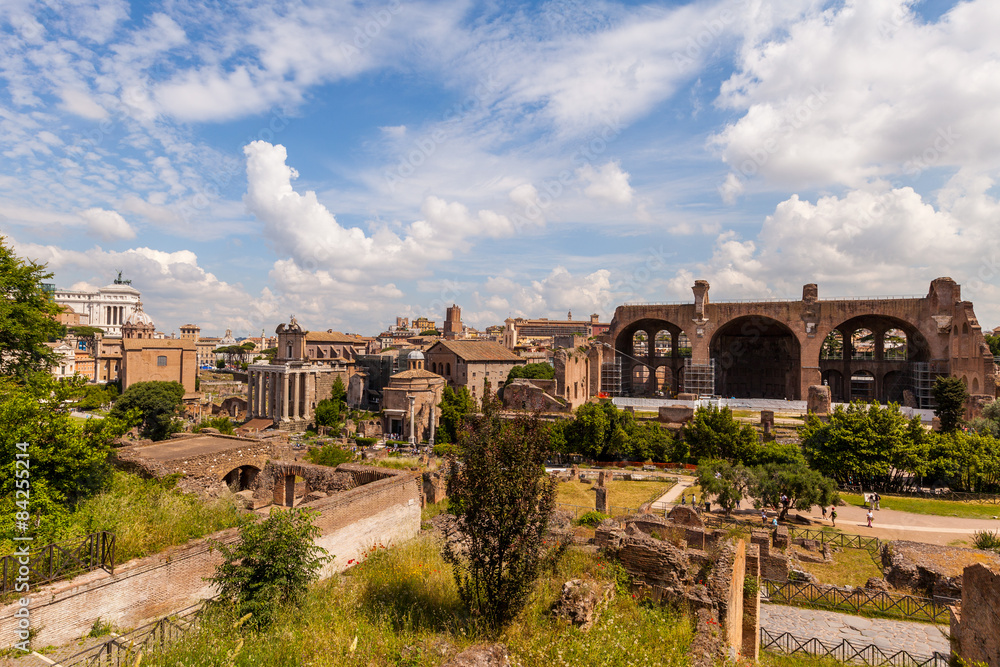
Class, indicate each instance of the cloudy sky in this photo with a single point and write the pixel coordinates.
(350, 162)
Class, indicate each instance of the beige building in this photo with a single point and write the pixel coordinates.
(332, 347)
(288, 390)
(521, 331)
(410, 402)
(471, 364)
(145, 358)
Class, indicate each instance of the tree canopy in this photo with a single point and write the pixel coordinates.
(68, 461)
(950, 395)
(154, 407)
(715, 434)
(540, 371)
(602, 431)
(27, 317)
(455, 405)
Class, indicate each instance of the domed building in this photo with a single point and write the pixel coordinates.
(409, 403)
(145, 358)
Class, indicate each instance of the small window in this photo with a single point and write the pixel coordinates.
(161, 360)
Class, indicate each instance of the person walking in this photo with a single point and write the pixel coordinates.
(763, 517)
(833, 515)
(824, 512)
(878, 500)
(870, 517)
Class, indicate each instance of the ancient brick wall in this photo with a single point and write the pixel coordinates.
(751, 607)
(975, 635)
(726, 584)
(384, 512)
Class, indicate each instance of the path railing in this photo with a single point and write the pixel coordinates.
(960, 496)
(872, 545)
(61, 560)
(848, 651)
(855, 600)
(122, 650)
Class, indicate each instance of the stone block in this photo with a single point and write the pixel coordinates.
(601, 499)
(675, 414)
(685, 516)
(780, 537)
(818, 401)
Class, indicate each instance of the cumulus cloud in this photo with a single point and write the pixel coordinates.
(866, 90)
(300, 226)
(108, 225)
(609, 183)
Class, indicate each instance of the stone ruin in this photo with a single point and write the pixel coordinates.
(976, 621)
(767, 423)
(931, 570)
(704, 572)
(818, 399)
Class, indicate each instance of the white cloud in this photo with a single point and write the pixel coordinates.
(731, 188)
(609, 183)
(108, 225)
(866, 90)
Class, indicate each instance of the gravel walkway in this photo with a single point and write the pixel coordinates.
(831, 627)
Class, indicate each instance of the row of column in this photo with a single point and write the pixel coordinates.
(114, 314)
(276, 394)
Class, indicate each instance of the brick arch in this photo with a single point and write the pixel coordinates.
(756, 357)
(242, 477)
(892, 378)
(631, 360)
(276, 482)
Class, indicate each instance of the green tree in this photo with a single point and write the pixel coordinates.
(27, 317)
(590, 430)
(220, 363)
(802, 486)
(455, 406)
(327, 413)
(715, 434)
(155, 407)
(728, 482)
(540, 371)
(988, 422)
(67, 462)
(270, 565)
(501, 497)
(865, 444)
(994, 342)
(950, 395)
(338, 393)
(430, 332)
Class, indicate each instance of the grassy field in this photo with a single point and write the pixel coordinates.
(768, 659)
(929, 506)
(850, 567)
(147, 516)
(401, 607)
(620, 493)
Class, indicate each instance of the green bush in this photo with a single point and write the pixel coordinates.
(329, 455)
(222, 423)
(986, 539)
(592, 519)
(443, 449)
(271, 565)
(365, 442)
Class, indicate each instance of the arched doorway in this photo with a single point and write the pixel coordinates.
(650, 354)
(862, 386)
(642, 380)
(242, 478)
(756, 357)
(835, 381)
(885, 349)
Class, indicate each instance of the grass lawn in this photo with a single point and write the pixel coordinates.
(620, 493)
(930, 506)
(401, 607)
(850, 567)
(768, 659)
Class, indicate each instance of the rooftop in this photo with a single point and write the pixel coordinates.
(477, 350)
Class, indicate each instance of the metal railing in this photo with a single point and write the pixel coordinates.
(61, 560)
(872, 545)
(121, 650)
(848, 651)
(855, 600)
(958, 496)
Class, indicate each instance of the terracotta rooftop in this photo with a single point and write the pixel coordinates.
(332, 337)
(477, 350)
(415, 374)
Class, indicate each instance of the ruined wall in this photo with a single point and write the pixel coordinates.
(384, 512)
(974, 628)
(751, 607)
(215, 464)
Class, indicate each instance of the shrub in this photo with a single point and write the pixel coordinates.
(986, 539)
(329, 455)
(222, 423)
(365, 442)
(270, 565)
(443, 449)
(592, 519)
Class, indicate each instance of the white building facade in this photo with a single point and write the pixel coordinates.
(108, 308)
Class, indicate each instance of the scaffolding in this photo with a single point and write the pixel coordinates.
(924, 376)
(611, 377)
(699, 379)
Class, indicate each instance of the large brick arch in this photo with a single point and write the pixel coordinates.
(657, 365)
(942, 331)
(756, 357)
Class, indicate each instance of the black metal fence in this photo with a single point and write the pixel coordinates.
(61, 560)
(856, 600)
(122, 650)
(960, 496)
(848, 651)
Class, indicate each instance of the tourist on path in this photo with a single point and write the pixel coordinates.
(833, 515)
(870, 517)
(878, 499)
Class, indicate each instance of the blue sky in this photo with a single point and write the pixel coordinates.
(353, 162)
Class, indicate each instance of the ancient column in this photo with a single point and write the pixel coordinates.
(250, 377)
(284, 395)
